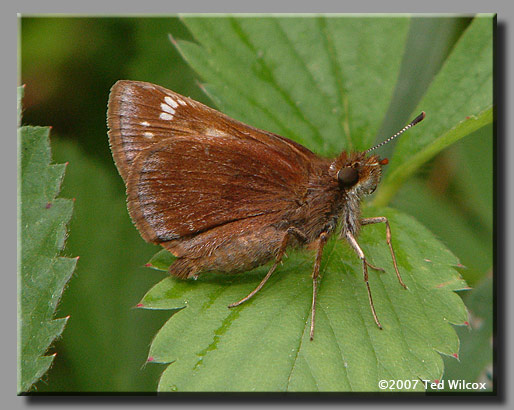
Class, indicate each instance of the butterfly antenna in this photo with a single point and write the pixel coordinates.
(419, 118)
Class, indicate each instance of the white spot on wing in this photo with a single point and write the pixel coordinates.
(214, 132)
(165, 116)
(170, 101)
(145, 123)
(181, 102)
(148, 134)
(167, 108)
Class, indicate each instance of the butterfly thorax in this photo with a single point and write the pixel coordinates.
(333, 195)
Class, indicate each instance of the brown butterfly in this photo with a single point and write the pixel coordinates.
(223, 196)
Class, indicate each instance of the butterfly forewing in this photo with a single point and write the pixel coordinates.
(189, 168)
(142, 114)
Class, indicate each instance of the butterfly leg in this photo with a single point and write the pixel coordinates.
(322, 240)
(375, 267)
(281, 251)
(383, 219)
(353, 243)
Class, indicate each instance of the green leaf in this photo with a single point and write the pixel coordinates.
(43, 273)
(475, 176)
(458, 102)
(263, 345)
(476, 356)
(161, 260)
(450, 225)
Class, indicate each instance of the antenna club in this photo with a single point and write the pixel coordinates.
(419, 118)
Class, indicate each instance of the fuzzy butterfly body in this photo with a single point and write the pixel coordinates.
(223, 196)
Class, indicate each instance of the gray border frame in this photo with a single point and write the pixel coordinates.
(505, 172)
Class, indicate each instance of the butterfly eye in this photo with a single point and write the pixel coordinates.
(348, 176)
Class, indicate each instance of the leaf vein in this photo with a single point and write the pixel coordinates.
(337, 73)
(285, 95)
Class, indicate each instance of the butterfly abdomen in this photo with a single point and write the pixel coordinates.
(232, 248)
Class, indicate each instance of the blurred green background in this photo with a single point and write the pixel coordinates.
(68, 65)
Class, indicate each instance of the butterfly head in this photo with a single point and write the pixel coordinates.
(356, 173)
